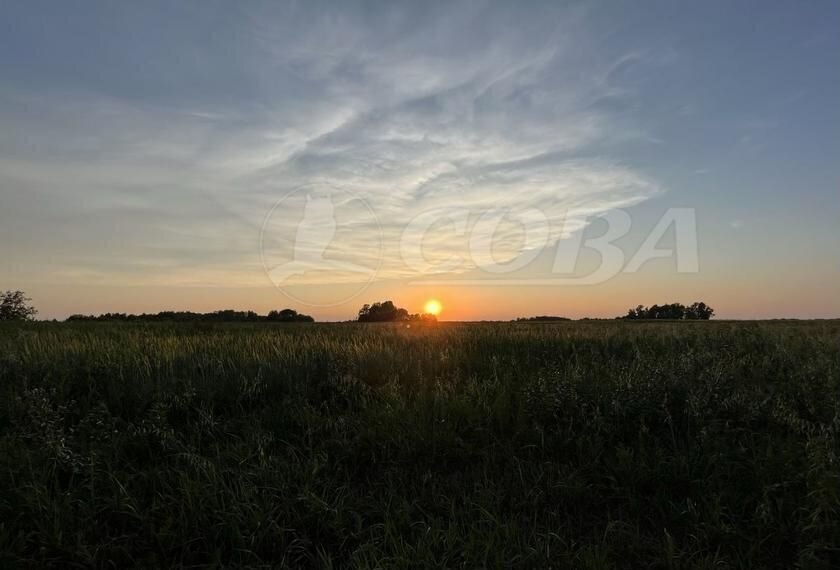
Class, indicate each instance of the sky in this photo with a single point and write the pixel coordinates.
(209, 155)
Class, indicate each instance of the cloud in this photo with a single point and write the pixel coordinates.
(412, 111)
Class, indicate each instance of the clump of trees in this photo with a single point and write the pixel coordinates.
(674, 311)
(288, 316)
(224, 316)
(15, 306)
(386, 312)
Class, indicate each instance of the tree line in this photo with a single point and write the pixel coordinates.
(16, 306)
(542, 319)
(673, 311)
(223, 316)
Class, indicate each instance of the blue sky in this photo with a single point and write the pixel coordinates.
(142, 146)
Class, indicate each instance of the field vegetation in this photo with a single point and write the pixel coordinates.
(609, 444)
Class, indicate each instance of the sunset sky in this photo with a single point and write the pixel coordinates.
(158, 156)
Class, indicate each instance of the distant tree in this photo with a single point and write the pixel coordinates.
(385, 311)
(422, 318)
(637, 313)
(672, 311)
(288, 316)
(700, 311)
(14, 306)
(231, 315)
(541, 318)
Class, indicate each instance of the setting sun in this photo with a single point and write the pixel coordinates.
(433, 307)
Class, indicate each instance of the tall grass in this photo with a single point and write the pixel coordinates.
(586, 445)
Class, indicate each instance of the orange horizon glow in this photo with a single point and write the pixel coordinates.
(732, 298)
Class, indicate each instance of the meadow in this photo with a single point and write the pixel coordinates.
(530, 445)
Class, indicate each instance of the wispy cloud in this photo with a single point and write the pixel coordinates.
(410, 111)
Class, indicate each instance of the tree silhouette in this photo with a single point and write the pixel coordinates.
(288, 316)
(14, 306)
(385, 311)
(700, 311)
(673, 311)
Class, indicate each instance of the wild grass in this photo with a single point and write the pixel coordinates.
(582, 445)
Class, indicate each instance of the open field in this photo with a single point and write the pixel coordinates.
(580, 444)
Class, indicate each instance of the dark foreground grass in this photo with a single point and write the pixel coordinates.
(582, 445)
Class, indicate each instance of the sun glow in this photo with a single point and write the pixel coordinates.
(433, 307)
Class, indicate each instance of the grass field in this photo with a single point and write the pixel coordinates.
(580, 444)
